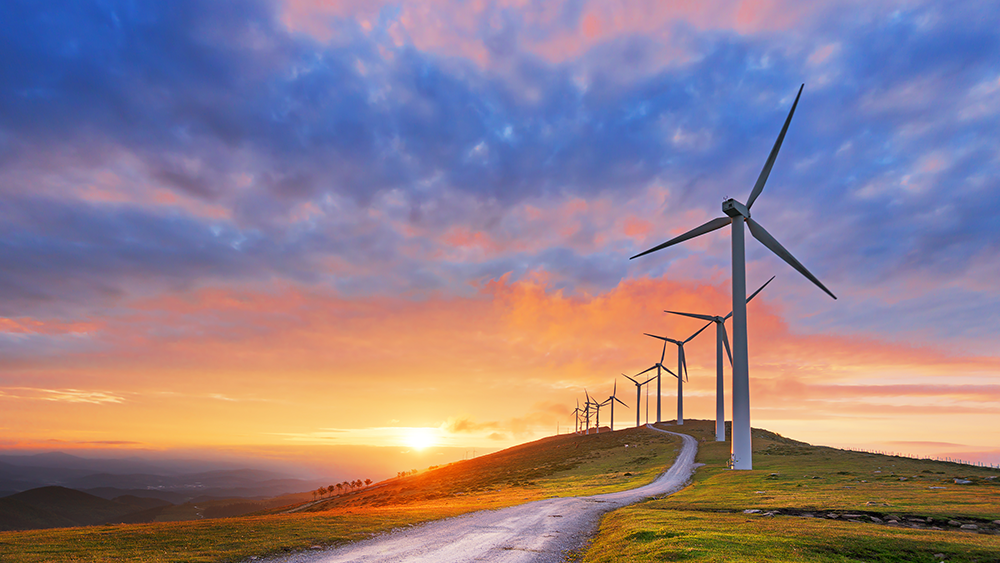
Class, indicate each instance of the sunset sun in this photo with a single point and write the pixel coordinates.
(420, 438)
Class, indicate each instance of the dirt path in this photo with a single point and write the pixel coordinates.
(541, 531)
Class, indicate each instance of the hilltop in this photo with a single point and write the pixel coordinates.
(802, 502)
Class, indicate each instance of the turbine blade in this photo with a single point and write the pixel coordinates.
(697, 231)
(725, 340)
(759, 186)
(664, 338)
(690, 338)
(692, 315)
(647, 369)
(663, 353)
(620, 402)
(684, 364)
(754, 294)
(767, 240)
(665, 368)
(630, 379)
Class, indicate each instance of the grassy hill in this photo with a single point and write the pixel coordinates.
(555, 466)
(805, 503)
(811, 503)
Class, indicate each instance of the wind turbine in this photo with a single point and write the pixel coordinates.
(638, 397)
(737, 214)
(576, 417)
(612, 399)
(597, 408)
(722, 339)
(681, 374)
(658, 366)
(586, 411)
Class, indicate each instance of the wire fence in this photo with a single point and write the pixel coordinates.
(945, 459)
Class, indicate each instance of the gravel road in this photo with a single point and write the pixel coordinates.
(540, 531)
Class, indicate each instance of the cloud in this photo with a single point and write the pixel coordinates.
(61, 395)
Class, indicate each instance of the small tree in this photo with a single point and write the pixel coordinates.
(340, 487)
(368, 482)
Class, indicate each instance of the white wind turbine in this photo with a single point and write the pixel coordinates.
(576, 417)
(681, 375)
(612, 399)
(722, 339)
(737, 214)
(638, 397)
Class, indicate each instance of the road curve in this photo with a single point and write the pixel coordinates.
(539, 531)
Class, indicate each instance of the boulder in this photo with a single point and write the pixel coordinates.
(969, 527)
(752, 511)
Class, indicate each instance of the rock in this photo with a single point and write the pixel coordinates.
(935, 487)
(962, 481)
(876, 519)
(832, 515)
(315, 547)
(969, 527)
(936, 528)
(892, 522)
(807, 515)
(773, 475)
(852, 516)
(954, 523)
(768, 514)
(902, 479)
(997, 522)
(938, 556)
(893, 517)
(752, 511)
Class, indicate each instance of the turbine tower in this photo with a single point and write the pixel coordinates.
(681, 374)
(737, 214)
(638, 397)
(722, 339)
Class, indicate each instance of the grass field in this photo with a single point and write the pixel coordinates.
(557, 466)
(705, 521)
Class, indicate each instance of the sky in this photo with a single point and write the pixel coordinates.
(304, 226)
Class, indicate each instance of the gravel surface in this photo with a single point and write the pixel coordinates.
(542, 531)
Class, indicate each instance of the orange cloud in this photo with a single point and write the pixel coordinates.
(248, 366)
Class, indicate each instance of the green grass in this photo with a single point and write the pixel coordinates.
(705, 522)
(556, 466)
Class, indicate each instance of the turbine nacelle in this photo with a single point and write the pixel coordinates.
(734, 208)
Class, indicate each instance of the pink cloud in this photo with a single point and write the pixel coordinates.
(453, 27)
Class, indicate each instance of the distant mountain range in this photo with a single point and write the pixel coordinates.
(57, 507)
(58, 489)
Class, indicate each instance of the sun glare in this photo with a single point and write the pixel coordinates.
(420, 438)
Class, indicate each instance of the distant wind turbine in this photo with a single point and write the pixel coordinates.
(576, 417)
(722, 339)
(737, 214)
(638, 398)
(612, 400)
(658, 366)
(681, 375)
